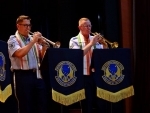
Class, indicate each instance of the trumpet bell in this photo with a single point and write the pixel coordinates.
(114, 45)
(57, 44)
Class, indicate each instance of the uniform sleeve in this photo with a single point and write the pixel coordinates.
(99, 46)
(13, 45)
(73, 43)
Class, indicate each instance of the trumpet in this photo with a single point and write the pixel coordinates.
(55, 44)
(112, 44)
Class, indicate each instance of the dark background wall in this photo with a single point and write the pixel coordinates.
(57, 20)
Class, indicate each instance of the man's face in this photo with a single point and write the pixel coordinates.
(24, 27)
(85, 27)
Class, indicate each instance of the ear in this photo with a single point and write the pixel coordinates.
(79, 27)
(17, 25)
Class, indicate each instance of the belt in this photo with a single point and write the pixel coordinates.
(87, 75)
(21, 70)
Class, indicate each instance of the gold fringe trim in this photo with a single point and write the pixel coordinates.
(5, 93)
(115, 97)
(68, 99)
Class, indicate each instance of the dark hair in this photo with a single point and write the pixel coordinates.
(21, 18)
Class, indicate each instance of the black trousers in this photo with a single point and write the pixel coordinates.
(30, 92)
(90, 93)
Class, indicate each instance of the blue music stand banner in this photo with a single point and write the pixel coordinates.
(5, 81)
(66, 75)
(113, 73)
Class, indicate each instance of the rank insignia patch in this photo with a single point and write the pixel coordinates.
(11, 45)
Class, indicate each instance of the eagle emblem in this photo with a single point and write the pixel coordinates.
(2, 67)
(65, 73)
(113, 72)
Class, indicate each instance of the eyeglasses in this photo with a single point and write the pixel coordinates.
(86, 25)
(26, 25)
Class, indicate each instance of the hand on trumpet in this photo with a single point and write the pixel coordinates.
(103, 42)
(43, 42)
(95, 39)
(98, 38)
(37, 37)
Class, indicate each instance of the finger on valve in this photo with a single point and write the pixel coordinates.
(35, 38)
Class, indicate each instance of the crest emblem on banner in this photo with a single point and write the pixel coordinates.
(113, 72)
(2, 67)
(65, 73)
